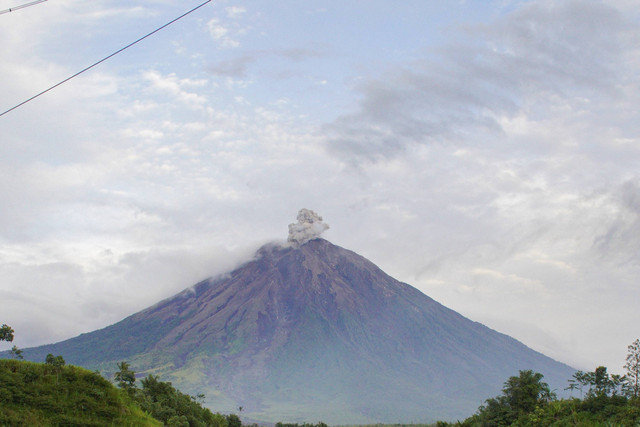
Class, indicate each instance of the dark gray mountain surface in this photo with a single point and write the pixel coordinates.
(313, 333)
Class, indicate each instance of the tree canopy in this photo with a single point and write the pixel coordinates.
(169, 405)
(6, 333)
(632, 366)
(125, 377)
(521, 395)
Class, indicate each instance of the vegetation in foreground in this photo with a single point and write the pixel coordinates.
(606, 400)
(169, 405)
(41, 394)
(52, 394)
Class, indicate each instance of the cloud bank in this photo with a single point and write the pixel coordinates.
(542, 57)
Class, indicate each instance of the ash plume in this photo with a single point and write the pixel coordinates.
(309, 227)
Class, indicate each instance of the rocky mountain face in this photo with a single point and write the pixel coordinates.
(313, 332)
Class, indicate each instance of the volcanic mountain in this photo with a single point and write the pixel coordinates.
(310, 332)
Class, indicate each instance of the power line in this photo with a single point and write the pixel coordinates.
(105, 58)
(22, 6)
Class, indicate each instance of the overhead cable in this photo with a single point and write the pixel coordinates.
(105, 58)
(22, 6)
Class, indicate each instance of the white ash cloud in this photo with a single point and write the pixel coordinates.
(309, 227)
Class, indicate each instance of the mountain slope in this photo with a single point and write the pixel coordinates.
(314, 332)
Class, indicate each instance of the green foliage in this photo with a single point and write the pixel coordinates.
(526, 391)
(520, 396)
(32, 394)
(125, 377)
(526, 401)
(56, 361)
(605, 411)
(598, 383)
(16, 352)
(6, 333)
(52, 394)
(169, 405)
(632, 366)
(593, 411)
(233, 421)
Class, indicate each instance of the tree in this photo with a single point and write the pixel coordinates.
(56, 363)
(125, 377)
(6, 333)
(233, 421)
(526, 391)
(16, 352)
(599, 382)
(169, 405)
(578, 382)
(632, 379)
(521, 395)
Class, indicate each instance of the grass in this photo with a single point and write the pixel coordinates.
(42, 395)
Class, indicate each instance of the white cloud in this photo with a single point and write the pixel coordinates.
(174, 86)
(221, 34)
(235, 11)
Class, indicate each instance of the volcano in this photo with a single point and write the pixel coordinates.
(313, 332)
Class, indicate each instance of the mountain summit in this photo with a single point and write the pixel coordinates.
(311, 331)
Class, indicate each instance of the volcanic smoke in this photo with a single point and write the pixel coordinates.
(309, 227)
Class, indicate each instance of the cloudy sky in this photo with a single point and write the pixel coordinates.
(486, 152)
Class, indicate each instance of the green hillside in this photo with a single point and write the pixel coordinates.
(37, 394)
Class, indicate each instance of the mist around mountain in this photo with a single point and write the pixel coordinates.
(311, 331)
